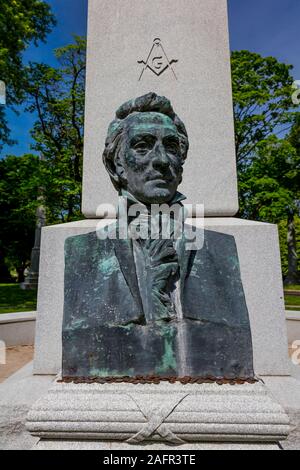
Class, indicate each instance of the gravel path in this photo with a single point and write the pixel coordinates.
(16, 357)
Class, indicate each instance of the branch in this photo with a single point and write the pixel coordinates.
(43, 124)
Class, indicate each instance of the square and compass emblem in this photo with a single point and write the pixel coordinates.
(157, 61)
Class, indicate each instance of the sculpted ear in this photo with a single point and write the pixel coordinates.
(116, 171)
(120, 171)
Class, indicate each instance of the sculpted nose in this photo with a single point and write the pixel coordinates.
(160, 159)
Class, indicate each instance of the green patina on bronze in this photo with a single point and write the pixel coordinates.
(168, 360)
(151, 307)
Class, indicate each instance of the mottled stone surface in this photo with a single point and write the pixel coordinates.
(165, 413)
(17, 328)
(19, 392)
(17, 395)
(111, 446)
(293, 442)
(106, 331)
(257, 246)
(197, 37)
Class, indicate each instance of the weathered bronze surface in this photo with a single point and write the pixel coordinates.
(148, 379)
(151, 307)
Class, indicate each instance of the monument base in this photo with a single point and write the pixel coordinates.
(258, 250)
(117, 446)
(22, 390)
(167, 416)
(142, 416)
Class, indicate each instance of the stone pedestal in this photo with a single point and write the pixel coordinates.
(195, 416)
(164, 414)
(120, 446)
(258, 250)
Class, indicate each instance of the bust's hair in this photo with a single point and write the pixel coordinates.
(143, 104)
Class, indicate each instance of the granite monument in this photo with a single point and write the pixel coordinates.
(141, 311)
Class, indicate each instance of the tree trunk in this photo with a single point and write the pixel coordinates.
(20, 270)
(5, 276)
(292, 276)
(70, 209)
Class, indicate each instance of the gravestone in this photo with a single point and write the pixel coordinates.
(93, 308)
(32, 278)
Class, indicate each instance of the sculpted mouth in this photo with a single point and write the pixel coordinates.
(159, 182)
(160, 179)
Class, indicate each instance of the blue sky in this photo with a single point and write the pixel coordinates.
(269, 27)
(71, 16)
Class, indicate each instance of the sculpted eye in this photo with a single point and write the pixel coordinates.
(173, 147)
(141, 147)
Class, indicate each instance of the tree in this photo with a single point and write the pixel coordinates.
(294, 136)
(57, 96)
(292, 275)
(283, 234)
(270, 192)
(20, 181)
(21, 22)
(262, 89)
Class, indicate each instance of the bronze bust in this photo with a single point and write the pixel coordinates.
(148, 306)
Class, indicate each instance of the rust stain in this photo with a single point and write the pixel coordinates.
(152, 379)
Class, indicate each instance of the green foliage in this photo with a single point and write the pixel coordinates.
(270, 191)
(262, 89)
(57, 96)
(282, 230)
(294, 136)
(21, 22)
(20, 179)
(268, 167)
(269, 187)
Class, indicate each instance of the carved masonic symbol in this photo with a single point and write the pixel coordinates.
(157, 60)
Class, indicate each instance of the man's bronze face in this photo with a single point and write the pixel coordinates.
(151, 162)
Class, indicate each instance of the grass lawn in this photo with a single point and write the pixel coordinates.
(14, 299)
(292, 302)
(293, 287)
